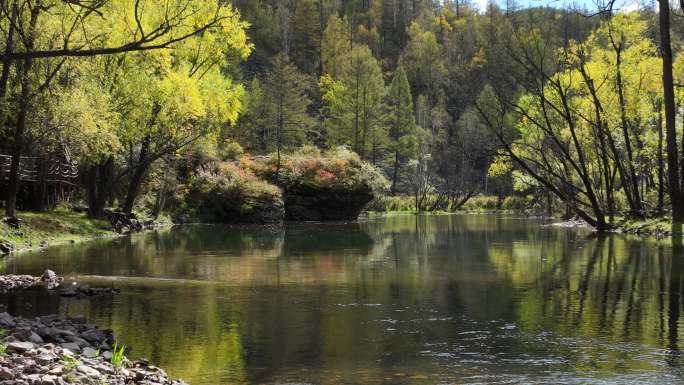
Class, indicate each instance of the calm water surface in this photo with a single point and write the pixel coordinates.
(400, 300)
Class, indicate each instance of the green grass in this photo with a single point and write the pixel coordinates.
(657, 225)
(59, 226)
(118, 356)
(70, 363)
(3, 344)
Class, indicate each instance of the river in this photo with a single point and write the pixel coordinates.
(453, 299)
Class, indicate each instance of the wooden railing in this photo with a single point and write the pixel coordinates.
(33, 170)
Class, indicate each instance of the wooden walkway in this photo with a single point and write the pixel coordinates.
(35, 170)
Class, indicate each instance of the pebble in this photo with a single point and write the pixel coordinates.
(19, 347)
(89, 352)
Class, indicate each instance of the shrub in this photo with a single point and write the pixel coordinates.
(516, 203)
(228, 192)
(231, 151)
(336, 169)
(481, 202)
(385, 203)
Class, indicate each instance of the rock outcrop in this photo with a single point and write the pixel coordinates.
(123, 223)
(330, 186)
(6, 247)
(307, 204)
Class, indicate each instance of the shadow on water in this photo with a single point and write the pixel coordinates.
(397, 300)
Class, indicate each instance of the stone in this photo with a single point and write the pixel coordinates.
(79, 319)
(35, 338)
(6, 374)
(106, 369)
(88, 371)
(19, 347)
(71, 346)
(6, 320)
(22, 334)
(93, 335)
(6, 247)
(77, 340)
(51, 279)
(63, 332)
(45, 358)
(58, 370)
(48, 380)
(89, 352)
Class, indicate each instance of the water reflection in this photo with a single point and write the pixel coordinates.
(398, 300)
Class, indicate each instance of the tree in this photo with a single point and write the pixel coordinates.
(354, 105)
(423, 62)
(569, 131)
(336, 47)
(673, 161)
(285, 88)
(401, 122)
(131, 27)
(169, 111)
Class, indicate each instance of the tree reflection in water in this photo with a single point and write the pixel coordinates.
(393, 300)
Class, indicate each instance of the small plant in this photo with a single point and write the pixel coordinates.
(3, 345)
(118, 358)
(70, 363)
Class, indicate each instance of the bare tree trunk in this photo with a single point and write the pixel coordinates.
(24, 70)
(99, 187)
(661, 165)
(6, 64)
(395, 174)
(138, 175)
(670, 115)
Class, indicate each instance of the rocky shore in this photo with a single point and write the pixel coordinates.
(54, 284)
(54, 350)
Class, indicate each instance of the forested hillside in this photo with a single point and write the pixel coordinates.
(396, 81)
(140, 105)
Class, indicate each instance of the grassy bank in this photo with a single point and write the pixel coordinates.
(660, 226)
(60, 226)
(476, 204)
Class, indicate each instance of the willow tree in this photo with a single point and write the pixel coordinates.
(571, 128)
(35, 32)
(168, 104)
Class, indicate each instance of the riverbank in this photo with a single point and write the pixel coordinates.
(39, 230)
(57, 227)
(53, 350)
(660, 227)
